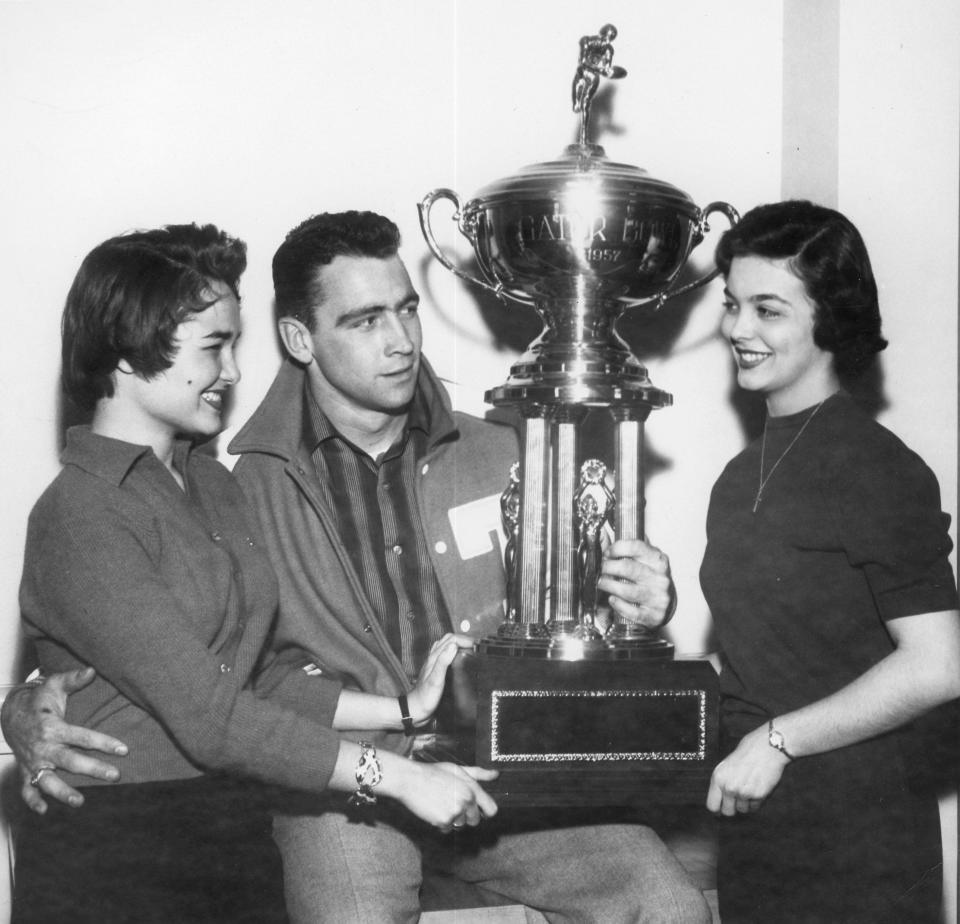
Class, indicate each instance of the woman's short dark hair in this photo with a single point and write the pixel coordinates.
(130, 294)
(828, 255)
(317, 242)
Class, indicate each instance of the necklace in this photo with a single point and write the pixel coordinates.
(763, 452)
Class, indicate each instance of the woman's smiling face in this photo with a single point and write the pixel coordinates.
(768, 322)
(187, 398)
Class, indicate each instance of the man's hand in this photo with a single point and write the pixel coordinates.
(42, 742)
(425, 696)
(746, 777)
(637, 577)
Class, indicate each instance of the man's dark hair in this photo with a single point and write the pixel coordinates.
(130, 294)
(828, 255)
(317, 242)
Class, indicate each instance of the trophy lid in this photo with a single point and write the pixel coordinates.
(582, 168)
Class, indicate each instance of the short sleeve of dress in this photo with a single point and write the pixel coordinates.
(891, 524)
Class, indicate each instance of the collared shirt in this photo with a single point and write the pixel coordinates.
(378, 520)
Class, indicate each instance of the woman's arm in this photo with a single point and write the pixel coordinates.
(922, 672)
(442, 794)
(366, 711)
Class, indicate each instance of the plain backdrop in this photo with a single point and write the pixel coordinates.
(255, 114)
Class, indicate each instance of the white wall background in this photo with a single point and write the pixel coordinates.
(254, 114)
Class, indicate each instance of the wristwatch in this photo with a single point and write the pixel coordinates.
(775, 740)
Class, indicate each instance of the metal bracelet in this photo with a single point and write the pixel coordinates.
(368, 774)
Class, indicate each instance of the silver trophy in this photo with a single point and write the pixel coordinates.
(580, 239)
(574, 707)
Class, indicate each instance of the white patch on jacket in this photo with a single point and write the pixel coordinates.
(473, 524)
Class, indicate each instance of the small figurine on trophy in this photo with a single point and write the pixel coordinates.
(593, 503)
(596, 61)
(510, 517)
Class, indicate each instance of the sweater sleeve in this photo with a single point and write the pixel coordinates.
(91, 582)
(291, 679)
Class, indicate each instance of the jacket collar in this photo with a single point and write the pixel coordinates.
(276, 427)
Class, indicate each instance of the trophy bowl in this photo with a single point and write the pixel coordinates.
(579, 227)
(581, 239)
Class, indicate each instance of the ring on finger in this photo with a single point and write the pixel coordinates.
(36, 777)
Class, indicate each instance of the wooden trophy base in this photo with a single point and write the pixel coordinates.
(618, 731)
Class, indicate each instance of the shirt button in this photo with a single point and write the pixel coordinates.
(251, 543)
(368, 628)
(425, 469)
(225, 668)
(215, 536)
(398, 550)
(440, 547)
(411, 616)
(464, 625)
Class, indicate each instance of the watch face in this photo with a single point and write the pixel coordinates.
(776, 739)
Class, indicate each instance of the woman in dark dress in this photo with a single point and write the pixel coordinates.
(827, 575)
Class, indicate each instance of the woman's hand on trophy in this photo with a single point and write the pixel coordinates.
(425, 696)
(636, 575)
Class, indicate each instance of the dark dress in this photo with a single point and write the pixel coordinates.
(849, 535)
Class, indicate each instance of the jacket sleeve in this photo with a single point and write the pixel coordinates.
(94, 586)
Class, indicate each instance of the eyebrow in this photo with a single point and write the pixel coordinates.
(759, 297)
(221, 335)
(365, 311)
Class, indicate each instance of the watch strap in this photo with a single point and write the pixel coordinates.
(408, 727)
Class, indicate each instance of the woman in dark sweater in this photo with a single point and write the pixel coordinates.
(835, 606)
(142, 561)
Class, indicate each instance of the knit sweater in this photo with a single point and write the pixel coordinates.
(167, 593)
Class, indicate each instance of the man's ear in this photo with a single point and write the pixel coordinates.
(296, 339)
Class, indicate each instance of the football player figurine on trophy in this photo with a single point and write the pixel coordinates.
(596, 61)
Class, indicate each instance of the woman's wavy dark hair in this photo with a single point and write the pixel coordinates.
(129, 296)
(828, 255)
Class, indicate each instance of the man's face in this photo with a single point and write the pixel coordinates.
(366, 338)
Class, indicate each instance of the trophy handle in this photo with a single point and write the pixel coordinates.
(468, 230)
(733, 216)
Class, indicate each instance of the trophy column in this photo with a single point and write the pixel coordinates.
(563, 615)
(527, 590)
(628, 450)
